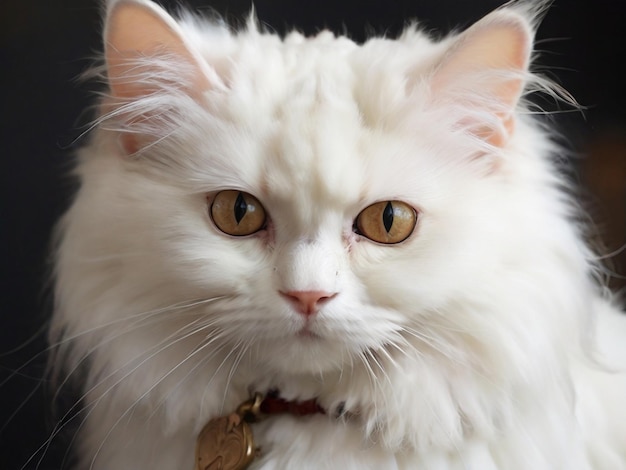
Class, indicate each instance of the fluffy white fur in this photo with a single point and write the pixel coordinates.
(471, 345)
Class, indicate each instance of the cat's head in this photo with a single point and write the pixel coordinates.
(301, 204)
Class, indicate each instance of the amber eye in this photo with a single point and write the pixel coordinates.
(386, 222)
(237, 213)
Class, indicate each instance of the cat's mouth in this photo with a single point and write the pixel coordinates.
(307, 334)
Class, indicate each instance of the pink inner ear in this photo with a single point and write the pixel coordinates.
(129, 144)
(137, 29)
(489, 60)
(147, 53)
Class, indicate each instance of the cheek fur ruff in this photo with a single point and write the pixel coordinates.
(484, 341)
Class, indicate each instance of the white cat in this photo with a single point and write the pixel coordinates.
(378, 227)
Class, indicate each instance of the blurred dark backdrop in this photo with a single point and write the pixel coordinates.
(46, 44)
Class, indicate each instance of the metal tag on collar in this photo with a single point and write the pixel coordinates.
(226, 443)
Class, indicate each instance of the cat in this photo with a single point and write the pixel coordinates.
(382, 227)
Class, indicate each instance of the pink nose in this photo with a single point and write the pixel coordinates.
(307, 302)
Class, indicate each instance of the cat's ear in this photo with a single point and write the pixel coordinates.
(140, 29)
(146, 54)
(486, 67)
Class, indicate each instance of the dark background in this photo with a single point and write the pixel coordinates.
(46, 44)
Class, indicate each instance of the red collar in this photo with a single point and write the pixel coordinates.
(274, 404)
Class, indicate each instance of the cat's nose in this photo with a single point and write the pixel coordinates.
(307, 302)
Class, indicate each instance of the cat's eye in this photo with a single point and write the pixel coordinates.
(237, 213)
(386, 222)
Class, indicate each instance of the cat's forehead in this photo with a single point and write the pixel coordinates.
(307, 114)
(315, 152)
(298, 70)
(320, 75)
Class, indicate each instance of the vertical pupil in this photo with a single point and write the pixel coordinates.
(388, 216)
(241, 207)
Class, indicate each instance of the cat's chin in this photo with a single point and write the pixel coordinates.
(307, 336)
(306, 352)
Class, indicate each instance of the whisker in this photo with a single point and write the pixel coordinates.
(25, 343)
(131, 407)
(368, 368)
(20, 406)
(68, 339)
(437, 344)
(234, 367)
(73, 412)
(139, 323)
(167, 309)
(201, 363)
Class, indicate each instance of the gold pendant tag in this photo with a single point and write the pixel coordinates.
(226, 443)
